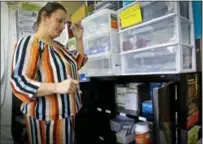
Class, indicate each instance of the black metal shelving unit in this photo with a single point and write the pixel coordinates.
(170, 107)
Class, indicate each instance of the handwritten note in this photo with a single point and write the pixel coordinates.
(131, 15)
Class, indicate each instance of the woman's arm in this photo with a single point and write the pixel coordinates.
(79, 46)
(66, 86)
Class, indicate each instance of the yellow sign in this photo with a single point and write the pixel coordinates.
(131, 16)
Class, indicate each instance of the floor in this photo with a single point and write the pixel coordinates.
(6, 140)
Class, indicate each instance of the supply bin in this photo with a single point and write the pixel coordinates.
(162, 43)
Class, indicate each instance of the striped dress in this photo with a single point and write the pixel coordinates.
(34, 62)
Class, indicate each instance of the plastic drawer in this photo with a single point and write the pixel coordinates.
(154, 34)
(155, 9)
(153, 60)
(99, 22)
(102, 66)
(187, 57)
(105, 43)
(186, 31)
(184, 9)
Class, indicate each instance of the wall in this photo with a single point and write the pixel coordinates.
(72, 6)
(8, 39)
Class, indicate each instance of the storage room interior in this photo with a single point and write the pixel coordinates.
(143, 74)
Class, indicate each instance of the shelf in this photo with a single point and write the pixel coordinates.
(140, 78)
(148, 48)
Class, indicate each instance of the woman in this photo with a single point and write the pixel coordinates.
(45, 77)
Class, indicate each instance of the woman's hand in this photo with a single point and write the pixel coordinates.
(67, 86)
(77, 30)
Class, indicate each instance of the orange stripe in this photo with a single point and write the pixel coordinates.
(31, 107)
(42, 131)
(19, 95)
(32, 61)
(59, 130)
(27, 122)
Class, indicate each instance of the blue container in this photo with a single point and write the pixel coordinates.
(197, 16)
(152, 86)
(147, 107)
(127, 2)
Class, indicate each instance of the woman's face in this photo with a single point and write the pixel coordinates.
(54, 24)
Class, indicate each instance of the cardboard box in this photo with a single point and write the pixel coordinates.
(81, 13)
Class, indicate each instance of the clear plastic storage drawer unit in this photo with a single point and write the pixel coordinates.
(161, 44)
(105, 43)
(160, 32)
(150, 61)
(100, 22)
(102, 66)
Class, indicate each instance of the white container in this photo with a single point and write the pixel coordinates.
(156, 33)
(153, 9)
(142, 132)
(162, 45)
(117, 123)
(187, 57)
(125, 139)
(105, 43)
(142, 127)
(103, 65)
(100, 22)
(149, 61)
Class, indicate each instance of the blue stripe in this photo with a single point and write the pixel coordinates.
(32, 130)
(68, 131)
(40, 112)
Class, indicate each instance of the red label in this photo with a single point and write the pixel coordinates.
(192, 120)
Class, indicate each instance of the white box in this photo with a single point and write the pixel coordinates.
(160, 45)
(100, 22)
(150, 60)
(126, 139)
(157, 33)
(104, 43)
(153, 9)
(103, 65)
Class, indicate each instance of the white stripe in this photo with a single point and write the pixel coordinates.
(14, 58)
(47, 108)
(51, 133)
(63, 131)
(33, 82)
(17, 88)
(27, 55)
(38, 132)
